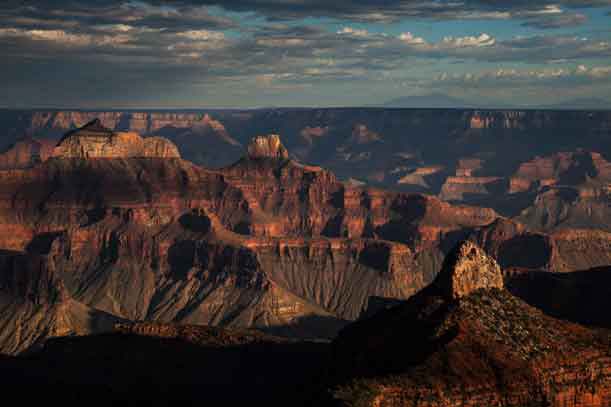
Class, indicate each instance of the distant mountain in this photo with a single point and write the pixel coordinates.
(582, 104)
(434, 100)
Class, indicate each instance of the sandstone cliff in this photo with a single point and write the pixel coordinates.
(95, 141)
(267, 242)
(26, 153)
(267, 147)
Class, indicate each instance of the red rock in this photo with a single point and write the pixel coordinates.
(471, 345)
(26, 153)
(267, 147)
(95, 141)
(465, 270)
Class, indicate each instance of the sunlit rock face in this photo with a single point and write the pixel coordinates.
(96, 141)
(26, 153)
(467, 269)
(268, 146)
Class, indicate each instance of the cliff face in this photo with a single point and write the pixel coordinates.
(479, 151)
(364, 139)
(270, 146)
(465, 341)
(267, 242)
(26, 153)
(524, 164)
(36, 304)
(134, 231)
(159, 239)
(95, 141)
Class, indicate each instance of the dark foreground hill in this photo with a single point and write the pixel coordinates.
(466, 341)
(160, 365)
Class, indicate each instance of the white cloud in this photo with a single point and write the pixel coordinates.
(447, 43)
(482, 40)
(120, 28)
(353, 31)
(410, 39)
(202, 35)
(65, 38)
(57, 36)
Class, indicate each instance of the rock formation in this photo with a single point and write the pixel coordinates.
(465, 343)
(466, 269)
(95, 141)
(26, 153)
(37, 306)
(133, 231)
(267, 147)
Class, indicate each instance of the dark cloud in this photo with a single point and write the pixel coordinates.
(64, 50)
(361, 10)
(83, 17)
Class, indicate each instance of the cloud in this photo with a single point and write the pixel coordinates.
(482, 40)
(61, 14)
(540, 14)
(64, 38)
(201, 35)
(411, 39)
(196, 44)
(395, 10)
(353, 32)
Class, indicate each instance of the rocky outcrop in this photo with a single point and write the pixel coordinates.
(466, 269)
(472, 345)
(267, 147)
(95, 141)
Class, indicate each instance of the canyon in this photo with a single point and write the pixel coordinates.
(512, 161)
(393, 233)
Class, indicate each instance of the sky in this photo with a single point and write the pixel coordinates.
(262, 53)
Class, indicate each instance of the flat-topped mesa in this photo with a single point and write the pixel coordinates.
(93, 140)
(467, 268)
(268, 146)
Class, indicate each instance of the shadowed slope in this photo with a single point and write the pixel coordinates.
(471, 345)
